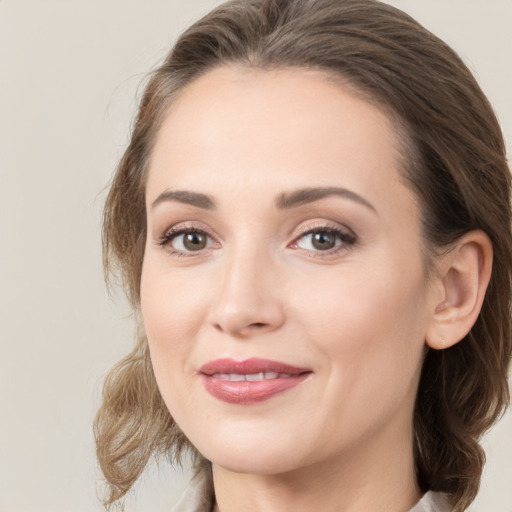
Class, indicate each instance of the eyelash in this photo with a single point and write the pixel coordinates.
(347, 239)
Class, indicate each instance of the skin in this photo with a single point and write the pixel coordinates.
(357, 318)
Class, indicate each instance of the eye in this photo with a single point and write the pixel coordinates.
(324, 239)
(186, 240)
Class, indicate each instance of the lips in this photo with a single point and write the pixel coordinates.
(251, 381)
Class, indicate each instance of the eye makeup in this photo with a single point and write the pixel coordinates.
(317, 240)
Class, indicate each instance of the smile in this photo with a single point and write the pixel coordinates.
(250, 381)
(252, 377)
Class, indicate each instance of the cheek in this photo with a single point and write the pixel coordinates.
(172, 310)
(369, 325)
(371, 339)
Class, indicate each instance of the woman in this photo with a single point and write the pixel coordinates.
(312, 219)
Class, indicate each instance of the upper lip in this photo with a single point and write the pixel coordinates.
(249, 366)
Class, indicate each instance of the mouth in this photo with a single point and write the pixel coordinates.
(251, 377)
(251, 381)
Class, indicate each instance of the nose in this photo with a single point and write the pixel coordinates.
(248, 300)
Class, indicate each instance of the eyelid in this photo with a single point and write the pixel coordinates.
(186, 226)
(325, 225)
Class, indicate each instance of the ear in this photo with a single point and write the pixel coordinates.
(463, 274)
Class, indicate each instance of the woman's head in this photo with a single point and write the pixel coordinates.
(277, 227)
(449, 158)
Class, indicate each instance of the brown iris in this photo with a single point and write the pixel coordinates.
(323, 240)
(194, 241)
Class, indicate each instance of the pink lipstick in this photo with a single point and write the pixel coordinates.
(251, 381)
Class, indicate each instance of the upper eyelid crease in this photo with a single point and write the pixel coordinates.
(284, 201)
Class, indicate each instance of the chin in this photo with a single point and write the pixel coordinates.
(253, 465)
(267, 457)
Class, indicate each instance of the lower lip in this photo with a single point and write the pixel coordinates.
(249, 392)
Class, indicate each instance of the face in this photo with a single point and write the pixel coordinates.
(283, 289)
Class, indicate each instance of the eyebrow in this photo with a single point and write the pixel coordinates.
(308, 195)
(187, 197)
(284, 201)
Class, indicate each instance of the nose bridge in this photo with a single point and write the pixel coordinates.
(247, 298)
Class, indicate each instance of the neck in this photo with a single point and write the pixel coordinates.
(370, 477)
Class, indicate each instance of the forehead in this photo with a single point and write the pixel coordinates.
(253, 127)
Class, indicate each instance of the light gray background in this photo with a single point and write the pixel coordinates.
(69, 72)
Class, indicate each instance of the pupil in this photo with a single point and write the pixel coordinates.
(194, 241)
(324, 240)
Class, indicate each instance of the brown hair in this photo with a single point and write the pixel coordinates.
(456, 165)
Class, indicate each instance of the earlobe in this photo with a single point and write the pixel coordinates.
(463, 273)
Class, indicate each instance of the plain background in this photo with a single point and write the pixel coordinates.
(69, 76)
